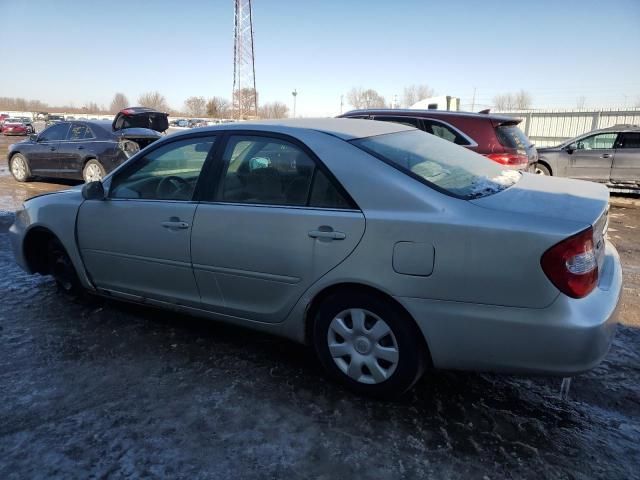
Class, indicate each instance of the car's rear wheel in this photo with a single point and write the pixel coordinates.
(541, 169)
(19, 168)
(93, 171)
(63, 271)
(368, 344)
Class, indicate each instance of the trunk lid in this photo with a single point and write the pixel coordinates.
(557, 198)
(140, 118)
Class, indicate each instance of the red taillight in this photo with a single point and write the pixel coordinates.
(571, 265)
(511, 159)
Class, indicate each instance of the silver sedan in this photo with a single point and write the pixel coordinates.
(386, 249)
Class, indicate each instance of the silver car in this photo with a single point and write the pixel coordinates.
(386, 249)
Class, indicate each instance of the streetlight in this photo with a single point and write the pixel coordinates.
(295, 94)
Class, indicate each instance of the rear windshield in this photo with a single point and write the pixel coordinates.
(511, 136)
(439, 163)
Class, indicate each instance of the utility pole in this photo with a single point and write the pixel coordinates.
(295, 94)
(341, 103)
(473, 102)
(244, 67)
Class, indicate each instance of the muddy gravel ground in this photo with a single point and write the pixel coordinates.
(104, 389)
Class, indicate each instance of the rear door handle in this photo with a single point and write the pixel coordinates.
(53, 149)
(330, 234)
(175, 225)
(80, 147)
(606, 155)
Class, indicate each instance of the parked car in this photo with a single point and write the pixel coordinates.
(609, 155)
(29, 124)
(263, 224)
(3, 117)
(84, 149)
(53, 119)
(494, 136)
(14, 126)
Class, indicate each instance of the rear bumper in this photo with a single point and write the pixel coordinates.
(566, 338)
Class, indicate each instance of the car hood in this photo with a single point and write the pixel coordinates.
(551, 197)
(127, 119)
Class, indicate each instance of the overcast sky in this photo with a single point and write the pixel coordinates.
(67, 51)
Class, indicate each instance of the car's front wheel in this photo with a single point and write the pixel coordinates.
(63, 271)
(368, 344)
(541, 169)
(93, 171)
(19, 168)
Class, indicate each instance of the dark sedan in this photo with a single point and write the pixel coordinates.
(609, 155)
(86, 150)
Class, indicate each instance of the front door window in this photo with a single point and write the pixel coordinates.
(169, 172)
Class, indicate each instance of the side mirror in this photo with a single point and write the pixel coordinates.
(33, 137)
(571, 148)
(93, 191)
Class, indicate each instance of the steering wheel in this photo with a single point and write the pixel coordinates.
(169, 187)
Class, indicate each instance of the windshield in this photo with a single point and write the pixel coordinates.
(444, 165)
(13, 120)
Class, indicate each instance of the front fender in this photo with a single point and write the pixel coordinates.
(58, 214)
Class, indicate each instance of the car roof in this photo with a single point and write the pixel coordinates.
(430, 113)
(344, 128)
(620, 128)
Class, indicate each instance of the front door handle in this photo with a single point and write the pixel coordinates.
(53, 149)
(328, 234)
(606, 155)
(175, 225)
(80, 147)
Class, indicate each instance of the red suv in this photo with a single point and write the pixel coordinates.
(494, 136)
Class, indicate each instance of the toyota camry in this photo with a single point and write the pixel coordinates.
(386, 249)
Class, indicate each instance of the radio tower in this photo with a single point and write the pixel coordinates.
(245, 98)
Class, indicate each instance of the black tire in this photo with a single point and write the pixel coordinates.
(542, 169)
(62, 270)
(90, 167)
(21, 173)
(411, 354)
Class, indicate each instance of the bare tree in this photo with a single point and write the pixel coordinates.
(218, 107)
(414, 93)
(195, 106)
(522, 100)
(91, 107)
(361, 98)
(581, 101)
(274, 110)
(512, 101)
(119, 102)
(245, 102)
(154, 100)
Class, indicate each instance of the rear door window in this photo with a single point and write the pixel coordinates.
(441, 130)
(273, 171)
(630, 140)
(79, 131)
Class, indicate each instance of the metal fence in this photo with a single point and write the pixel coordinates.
(547, 128)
